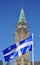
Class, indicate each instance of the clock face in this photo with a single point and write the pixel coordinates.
(24, 26)
(19, 26)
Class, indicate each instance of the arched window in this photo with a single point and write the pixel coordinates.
(18, 64)
(25, 60)
(25, 64)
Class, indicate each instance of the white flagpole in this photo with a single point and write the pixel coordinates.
(32, 50)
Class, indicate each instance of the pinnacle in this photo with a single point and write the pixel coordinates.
(22, 16)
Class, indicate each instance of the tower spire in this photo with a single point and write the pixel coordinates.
(22, 16)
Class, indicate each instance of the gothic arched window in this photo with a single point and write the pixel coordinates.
(18, 64)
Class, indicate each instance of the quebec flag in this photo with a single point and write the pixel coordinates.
(9, 52)
(15, 51)
(25, 45)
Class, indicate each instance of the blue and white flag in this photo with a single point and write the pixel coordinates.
(9, 51)
(25, 45)
(21, 48)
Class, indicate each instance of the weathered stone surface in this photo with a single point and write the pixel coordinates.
(1, 63)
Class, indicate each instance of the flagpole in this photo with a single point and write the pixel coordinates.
(32, 50)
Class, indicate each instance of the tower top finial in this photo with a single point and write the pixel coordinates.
(22, 16)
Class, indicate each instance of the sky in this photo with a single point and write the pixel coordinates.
(9, 16)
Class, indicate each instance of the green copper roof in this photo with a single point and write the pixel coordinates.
(22, 16)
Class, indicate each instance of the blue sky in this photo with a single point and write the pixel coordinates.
(9, 15)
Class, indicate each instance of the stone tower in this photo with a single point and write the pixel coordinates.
(22, 32)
